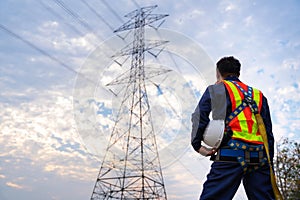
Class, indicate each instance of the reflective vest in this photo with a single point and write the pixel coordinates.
(244, 125)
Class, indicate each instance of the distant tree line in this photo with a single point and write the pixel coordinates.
(286, 167)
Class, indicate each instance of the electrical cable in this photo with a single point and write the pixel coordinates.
(113, 11)
(77, 18)
(53, 12)
(97, 14)
(30, 44)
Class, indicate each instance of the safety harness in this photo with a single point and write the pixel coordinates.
(244, 153)
(237, 151)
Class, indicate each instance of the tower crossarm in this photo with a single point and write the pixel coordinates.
(146, 9)
(131, 24)
(150, 73)
(128, 50)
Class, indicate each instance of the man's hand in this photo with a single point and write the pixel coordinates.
(204, 151)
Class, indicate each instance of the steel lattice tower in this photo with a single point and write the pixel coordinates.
(131, 168)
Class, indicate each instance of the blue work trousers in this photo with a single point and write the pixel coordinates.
(224, 179)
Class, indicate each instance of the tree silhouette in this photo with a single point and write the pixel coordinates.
(287, 167)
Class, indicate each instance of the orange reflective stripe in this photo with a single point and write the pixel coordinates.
(244, 126)
(236, 100)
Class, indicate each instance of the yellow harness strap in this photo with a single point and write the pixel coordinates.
(263, 133)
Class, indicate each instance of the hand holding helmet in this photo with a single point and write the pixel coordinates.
(204, 151)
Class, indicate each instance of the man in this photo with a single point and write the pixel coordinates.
(241, 155)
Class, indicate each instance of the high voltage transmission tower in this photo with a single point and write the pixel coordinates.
(131, 167)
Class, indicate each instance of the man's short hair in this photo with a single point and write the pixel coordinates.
(229, 66)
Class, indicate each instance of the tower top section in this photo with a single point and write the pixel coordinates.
(140, 17)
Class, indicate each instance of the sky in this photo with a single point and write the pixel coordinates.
(56, 113)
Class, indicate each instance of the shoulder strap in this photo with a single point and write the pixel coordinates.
(247, 101)
(248, 97)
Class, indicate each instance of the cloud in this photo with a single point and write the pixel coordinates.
(14, 185)
(279, 84)
(51, 35)
(43, 132)
(229, 7)
(249, 20)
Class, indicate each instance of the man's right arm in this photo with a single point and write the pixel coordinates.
(200, 119)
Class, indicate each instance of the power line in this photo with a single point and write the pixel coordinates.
(76, 17)
(11, 33)
(30, 44)
(136, 4)
(113, 11)
(97, 14)
(53, 12)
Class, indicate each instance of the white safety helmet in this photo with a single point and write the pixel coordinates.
(214, 133)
